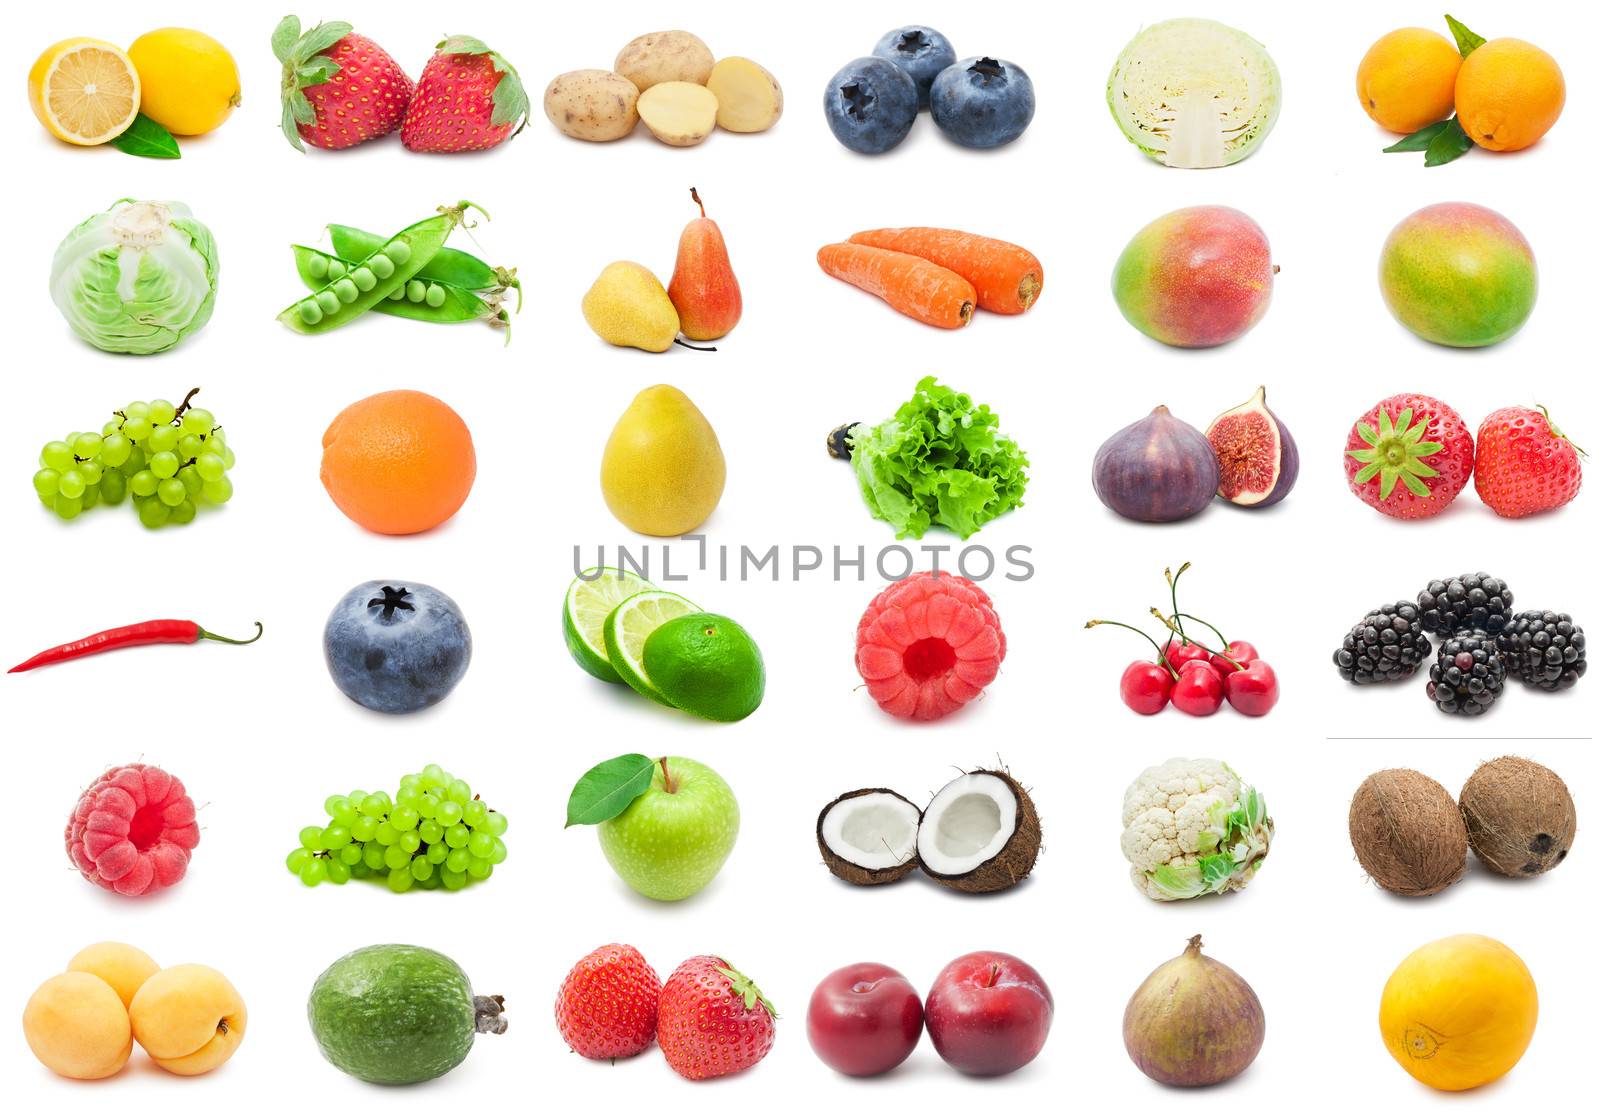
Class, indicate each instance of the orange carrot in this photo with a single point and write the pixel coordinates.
(1007, 278)
(911, 284)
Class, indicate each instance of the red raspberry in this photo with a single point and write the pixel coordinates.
(132, 830)
(928, 645)
(607, 1005)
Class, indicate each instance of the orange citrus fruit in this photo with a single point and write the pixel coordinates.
(398, 462)
(84, 91)
(1407, 79)
(1508, 94)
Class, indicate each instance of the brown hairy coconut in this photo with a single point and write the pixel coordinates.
(980, 833)
(1408, 833)
(1519, 815)
(869, 836)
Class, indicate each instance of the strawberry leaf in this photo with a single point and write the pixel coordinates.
(316, 71)
(291, 128)
(319, 39)
(284, 36)
(1449, 145)
(1467, 40)
(609, 788)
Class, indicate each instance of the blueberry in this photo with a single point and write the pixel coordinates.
(982, 102)
(871, 105)
(921, 52)
(395, 646)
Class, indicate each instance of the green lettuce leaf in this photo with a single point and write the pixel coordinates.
(940, 460)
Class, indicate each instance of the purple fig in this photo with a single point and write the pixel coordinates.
(1255, 454)
(1158, 470)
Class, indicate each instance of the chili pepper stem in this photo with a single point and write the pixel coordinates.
(1161, 655)
(1156, 612)
(225, 639)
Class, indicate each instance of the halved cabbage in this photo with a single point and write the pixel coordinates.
(1194, 93)
(138, 278)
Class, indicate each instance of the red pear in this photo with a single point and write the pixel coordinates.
(704, 288)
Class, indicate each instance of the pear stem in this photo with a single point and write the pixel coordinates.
(696, 348)
(695, 194)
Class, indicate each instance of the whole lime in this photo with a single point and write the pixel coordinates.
(707, 665)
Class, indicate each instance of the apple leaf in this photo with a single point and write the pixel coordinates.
(607, 789)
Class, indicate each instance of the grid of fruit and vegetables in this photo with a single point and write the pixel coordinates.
(1198, 669)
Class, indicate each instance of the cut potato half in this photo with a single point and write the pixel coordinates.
(749, 99)
(679, 113)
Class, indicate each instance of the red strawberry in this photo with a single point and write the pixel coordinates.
(1525, 464)
(607, 1005)
(714, 1020)
(468, 99)
(339, 88)
(928, 645)
(1409, 456)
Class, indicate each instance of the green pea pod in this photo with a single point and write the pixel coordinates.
(451, 266)
(376, 275)
(456, 305)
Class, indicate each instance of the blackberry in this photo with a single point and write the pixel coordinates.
(1386, 645)
(1471, 602)
(1544, 649)
(1468, 675)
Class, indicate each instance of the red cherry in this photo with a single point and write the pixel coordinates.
(1146, 687)
(1198, 690)
(1179, 651)
(1239, 652)
(1253, 691)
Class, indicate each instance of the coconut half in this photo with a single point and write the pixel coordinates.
(979, 834)
(1194, 93)
(869, 836)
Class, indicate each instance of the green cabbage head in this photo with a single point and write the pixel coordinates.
(138, 278)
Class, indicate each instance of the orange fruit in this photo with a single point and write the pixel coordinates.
(1508, 94)
(1407, 79)
(398, 462)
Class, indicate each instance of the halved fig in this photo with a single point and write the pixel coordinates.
(1257, 460)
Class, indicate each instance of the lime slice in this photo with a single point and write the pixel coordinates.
(630, 624)
(590, 599)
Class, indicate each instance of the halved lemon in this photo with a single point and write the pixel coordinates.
(84, 91)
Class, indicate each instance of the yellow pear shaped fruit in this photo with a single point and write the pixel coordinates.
(662, 471)
(627, 305)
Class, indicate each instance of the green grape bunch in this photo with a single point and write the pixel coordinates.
(434, 833)
(168, 459)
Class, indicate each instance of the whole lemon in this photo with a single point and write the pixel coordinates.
(189, 81)
(1407, 79)
(1459, 1012)
(1508, 94)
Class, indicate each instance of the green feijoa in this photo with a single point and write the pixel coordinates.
(364, 278)
(335, 269)
(382, 266)
(318, 266)
(346, 289)
(310, 312)
(434, 296)
(328, 301)
(416, 290)
(398, 251)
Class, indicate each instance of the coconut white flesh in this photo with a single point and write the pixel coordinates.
(966, 825)
(1194, 93)
(872, 831)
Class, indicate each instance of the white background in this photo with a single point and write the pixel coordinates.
(260, 736)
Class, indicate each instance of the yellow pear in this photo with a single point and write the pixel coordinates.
(628, 306)
(662, 471)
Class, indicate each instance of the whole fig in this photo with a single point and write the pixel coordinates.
(1157, 470)
(1193, 1021)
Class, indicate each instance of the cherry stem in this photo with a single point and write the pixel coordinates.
(666, 778)
(1172, 585)
(1161, 654)
(1156, 612)
(1182, 616)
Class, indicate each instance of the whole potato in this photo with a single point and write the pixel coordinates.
(594, 105)
(665, 56)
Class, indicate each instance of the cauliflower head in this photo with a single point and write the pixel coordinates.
(1192, 827)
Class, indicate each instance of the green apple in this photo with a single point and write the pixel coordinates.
(672, 840)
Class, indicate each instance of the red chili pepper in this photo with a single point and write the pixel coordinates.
(133, 635)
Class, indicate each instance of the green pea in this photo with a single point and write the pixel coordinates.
(397, 295)
(434, 296)
(363, 278)
(318, 267)
(335, 269)
(398, 251)
(346, 290)
(416, 290)
(310, 312)
(382, 266)
(329, 302)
